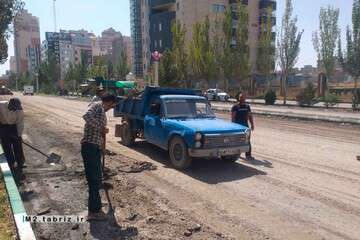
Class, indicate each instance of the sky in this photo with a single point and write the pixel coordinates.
(98, 15)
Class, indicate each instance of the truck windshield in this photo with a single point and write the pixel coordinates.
(188, 108)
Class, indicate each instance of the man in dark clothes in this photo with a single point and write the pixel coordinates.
(241, 114)
(91, 149)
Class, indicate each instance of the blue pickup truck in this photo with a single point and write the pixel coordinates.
(181, 122)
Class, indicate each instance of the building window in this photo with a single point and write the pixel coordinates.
(218, 8)
(155, 44)
(160, 43)
(160, 27)
(178, 6)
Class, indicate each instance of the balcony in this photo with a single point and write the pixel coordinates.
(154, 4)
(267, 3)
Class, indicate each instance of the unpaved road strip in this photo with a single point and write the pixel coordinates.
(305, 183)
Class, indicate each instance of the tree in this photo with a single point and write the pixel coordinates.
(351, 58)
(288, 46)
(121, 67)
(178, 51)
(168, 75)
(326, 39)
(227, 57)
(241, 48)
(8, 11)
(266, 48)
(201, 55)
(48, 73)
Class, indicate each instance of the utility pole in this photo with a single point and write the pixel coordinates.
(54, 9)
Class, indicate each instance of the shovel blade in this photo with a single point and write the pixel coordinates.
(54, 158)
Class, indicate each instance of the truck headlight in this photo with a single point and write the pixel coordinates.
(197, 144)
(198, 137)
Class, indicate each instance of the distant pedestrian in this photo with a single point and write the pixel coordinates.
(241, 114)
(11, 129)
(100, 92)
(91, 149)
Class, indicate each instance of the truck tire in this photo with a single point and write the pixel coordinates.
(178, 153)
(232, 158)
(127, 136)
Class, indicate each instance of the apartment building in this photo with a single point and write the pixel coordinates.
(26, 42)
(151, 24)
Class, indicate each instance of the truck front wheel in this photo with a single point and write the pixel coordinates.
(179, 155)
(127, 136)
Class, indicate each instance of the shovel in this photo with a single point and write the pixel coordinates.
(52, 158)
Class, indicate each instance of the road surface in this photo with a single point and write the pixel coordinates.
(304, 183)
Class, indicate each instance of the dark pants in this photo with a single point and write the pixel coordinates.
(248, 154)
(12, 145)
(91, 155)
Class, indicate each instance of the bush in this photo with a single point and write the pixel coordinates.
(356, 100)
(307, 97)
(270, 97)
(330, 100)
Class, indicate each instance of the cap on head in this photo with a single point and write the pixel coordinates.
(108, 98)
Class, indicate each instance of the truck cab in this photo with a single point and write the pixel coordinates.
(185, 126)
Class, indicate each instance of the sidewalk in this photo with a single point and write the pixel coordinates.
(329, 115)
(294, 103)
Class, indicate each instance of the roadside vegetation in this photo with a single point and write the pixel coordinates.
(6, 224)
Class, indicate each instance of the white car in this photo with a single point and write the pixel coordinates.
(216, 95)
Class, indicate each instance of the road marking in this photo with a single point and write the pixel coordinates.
(24, 230)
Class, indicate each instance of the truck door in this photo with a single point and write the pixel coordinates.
(154, 131)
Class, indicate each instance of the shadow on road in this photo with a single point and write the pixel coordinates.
(211, 171)
(110, 229)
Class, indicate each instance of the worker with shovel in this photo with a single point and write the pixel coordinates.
(91, 150)
(11, 128)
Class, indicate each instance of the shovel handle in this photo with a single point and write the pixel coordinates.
(34, 148)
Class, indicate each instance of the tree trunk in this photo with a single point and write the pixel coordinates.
(285, 86)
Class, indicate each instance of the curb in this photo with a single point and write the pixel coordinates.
(24, 230)
(299, 116)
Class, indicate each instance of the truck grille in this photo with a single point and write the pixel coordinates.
(224, 140)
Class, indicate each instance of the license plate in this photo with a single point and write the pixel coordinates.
(224, 152)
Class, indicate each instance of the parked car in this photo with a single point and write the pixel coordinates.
(181, 122)
(217, 95)
(5, 91)
(28, 90)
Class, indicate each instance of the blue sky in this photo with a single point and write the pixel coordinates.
(98, 15)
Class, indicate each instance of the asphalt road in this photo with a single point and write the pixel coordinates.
(304, 183)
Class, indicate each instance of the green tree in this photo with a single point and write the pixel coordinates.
(351, 58)
(178, 51)
(168, 75)
(8, 11)
(227, 57)
(241, 48)
(48, 74)
(201, 55)
(266, 47)
(288, 46)
(326, 39)
(121, 68)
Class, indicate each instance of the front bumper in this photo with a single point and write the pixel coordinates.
(218, 152)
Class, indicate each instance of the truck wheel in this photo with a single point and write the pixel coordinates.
(127, 136)
(179, 155)
(232, 158)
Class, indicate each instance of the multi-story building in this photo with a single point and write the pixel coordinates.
(103, 45)
(128, 48)
(151, 24)
(58, 46)
(26, 42)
